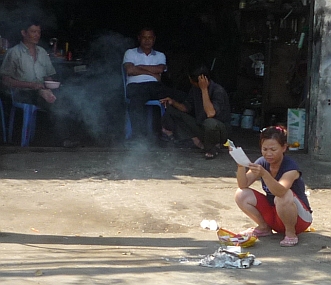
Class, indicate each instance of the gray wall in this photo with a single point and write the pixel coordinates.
(319, 119)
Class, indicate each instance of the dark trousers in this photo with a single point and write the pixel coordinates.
(62, 122)
(139, 94)
(31, 97)
(185, 126)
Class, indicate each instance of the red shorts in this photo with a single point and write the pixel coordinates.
(270, 215)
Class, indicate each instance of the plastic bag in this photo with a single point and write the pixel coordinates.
(229, 238)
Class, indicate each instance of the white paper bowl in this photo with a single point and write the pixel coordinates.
(293, 148)
(52, 84)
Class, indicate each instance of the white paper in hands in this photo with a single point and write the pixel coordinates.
(238, 155)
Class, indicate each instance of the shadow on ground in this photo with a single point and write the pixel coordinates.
(120, 257)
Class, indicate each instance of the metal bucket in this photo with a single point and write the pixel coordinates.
(247, 119)
(235, 119)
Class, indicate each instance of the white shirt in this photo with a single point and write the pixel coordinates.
(138, 57)
(20, 65)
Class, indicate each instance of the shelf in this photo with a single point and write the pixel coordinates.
(271, 8)
(251, 77)
(257, 43)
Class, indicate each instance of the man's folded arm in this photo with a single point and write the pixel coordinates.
(133, 70)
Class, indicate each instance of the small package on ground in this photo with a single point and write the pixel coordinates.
(229, 238)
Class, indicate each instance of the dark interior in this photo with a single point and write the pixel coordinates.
(258, 50)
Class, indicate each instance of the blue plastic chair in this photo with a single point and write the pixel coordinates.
(29, 120)
(4, 137)
(128, 127)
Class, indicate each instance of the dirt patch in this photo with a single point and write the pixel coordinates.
(126, 216)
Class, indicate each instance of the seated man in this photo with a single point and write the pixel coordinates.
(211, 122)
(26, 66)
(144, 67)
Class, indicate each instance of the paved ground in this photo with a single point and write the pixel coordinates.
(132, 215)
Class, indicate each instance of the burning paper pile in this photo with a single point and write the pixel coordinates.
(227, 258)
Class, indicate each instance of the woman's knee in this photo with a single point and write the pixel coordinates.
(243, 195)
(285, 200)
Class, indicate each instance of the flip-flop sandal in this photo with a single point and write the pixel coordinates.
(288, 242)
(167, 138)
(211, 154)
(256, 232)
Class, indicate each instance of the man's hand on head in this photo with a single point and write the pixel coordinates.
(203, 82)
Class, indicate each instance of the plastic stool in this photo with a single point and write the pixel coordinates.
(128, 127)
(29, 121)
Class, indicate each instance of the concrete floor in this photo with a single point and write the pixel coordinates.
(130, 215)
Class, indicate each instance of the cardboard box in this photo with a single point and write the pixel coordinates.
(296, 120)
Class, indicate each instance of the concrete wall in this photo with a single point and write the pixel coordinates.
(319, 119)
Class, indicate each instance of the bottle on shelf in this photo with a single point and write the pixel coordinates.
(273, 120)
(69, 56)
(242, 4)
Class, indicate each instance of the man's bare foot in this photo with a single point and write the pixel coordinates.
(167, 132)
(197, 142)
(167, 135)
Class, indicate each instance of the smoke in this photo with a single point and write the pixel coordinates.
(89, 102)
(95, 97)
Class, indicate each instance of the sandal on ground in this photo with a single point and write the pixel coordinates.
(167, 138)
(197, 143)
(213, 153)
(256, 232)
(287, 241)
